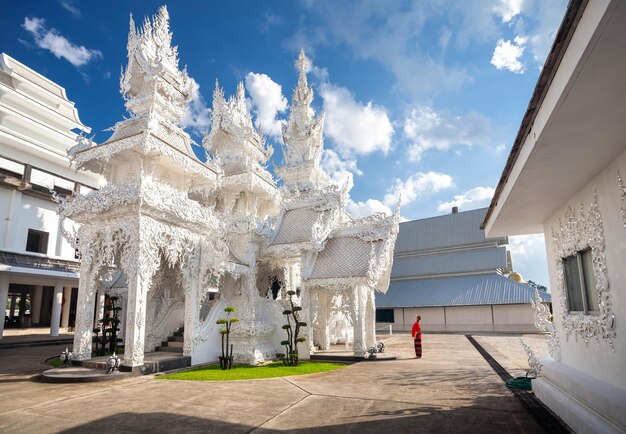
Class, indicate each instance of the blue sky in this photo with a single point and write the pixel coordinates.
(422, 98)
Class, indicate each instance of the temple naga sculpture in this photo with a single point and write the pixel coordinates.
(188, 238)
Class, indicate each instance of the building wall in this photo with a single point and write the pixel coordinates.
(31, 212)
(507, 318)
(596, 357)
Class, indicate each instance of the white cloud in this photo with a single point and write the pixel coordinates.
(548, 17)
(68, 6)
(57, 44)
(507, 55)
(428, 129)
(198, 115)
(471, 199)
(398, 36)
(508, 9)
(340, 170)
(354, 128)
(417, 185)
(267, 101)
(269, 21)
(369, 207)
(528, 254)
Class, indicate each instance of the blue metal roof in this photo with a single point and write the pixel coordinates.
(480, 289)
(485, 259)
(450, 230)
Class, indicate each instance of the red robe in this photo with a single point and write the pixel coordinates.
(416, 332)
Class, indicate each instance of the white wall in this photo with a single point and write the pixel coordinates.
(511, 318)
(596, 357)
(39, 214)
(504, 314)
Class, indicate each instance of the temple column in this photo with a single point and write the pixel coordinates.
(84, 312)
(4, 295)
(35, 304)
(321, 332)
(191, 282)
(134, 336)
(139, 262)
(358, 319)
(65, 313)
(99, 308)
(370, 319)
(57, 301)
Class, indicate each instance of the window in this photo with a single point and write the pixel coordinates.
(37, 241)
(580, 282)
(384, 315)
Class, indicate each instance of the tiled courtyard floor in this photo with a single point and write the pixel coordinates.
(451, 389)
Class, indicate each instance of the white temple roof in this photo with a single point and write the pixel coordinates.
(297, 225)
(345, 257)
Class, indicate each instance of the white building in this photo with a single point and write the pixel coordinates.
(564, 178)
(180, 229)
(37, 126)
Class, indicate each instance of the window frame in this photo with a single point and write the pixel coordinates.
(44, 241)
(581, 281)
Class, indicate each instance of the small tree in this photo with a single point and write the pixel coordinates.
(290, 358)
(226, 359)
(109, 326)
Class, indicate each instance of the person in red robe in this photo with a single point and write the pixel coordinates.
(416, 332)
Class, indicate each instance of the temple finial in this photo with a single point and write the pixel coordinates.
(131, 25)
(303, 63)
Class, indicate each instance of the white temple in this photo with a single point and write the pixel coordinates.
(176, 229)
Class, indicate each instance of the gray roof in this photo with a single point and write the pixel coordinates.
(480, 289)
(345, 257)
(296, 226)
(490, 258)
(450, 230)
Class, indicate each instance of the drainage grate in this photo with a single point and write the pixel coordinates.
(544, 417)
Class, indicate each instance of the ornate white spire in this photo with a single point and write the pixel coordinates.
(152, 83)
(302, 134)
(232, 132)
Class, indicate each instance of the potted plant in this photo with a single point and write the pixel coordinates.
(226, 359)
(290, 357)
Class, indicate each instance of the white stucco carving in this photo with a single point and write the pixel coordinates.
(579, 230)
(175, 226)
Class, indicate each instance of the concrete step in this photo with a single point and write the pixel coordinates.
(173, 344)
(175, 339)
(153, 362)
(170, 349)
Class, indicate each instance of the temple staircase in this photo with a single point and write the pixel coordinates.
(174, 343)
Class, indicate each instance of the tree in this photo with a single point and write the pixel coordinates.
(290, 358)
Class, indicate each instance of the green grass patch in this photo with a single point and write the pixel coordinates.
(55, 362)
(247, 372)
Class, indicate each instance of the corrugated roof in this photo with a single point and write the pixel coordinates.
(490, 258)
(450, 230)
(482, 289)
